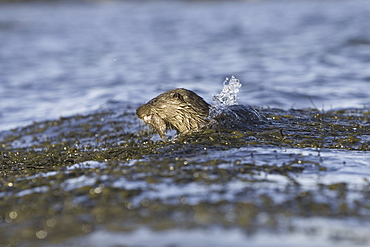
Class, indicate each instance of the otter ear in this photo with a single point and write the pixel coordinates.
(178, 96)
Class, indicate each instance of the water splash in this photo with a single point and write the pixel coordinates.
(228, 95)
(226, 113)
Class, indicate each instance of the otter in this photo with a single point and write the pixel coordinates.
(187, 112)
(179, 109)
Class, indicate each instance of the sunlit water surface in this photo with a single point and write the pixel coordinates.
(64, 58)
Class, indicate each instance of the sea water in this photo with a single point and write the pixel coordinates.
(96, 62)
(81, 56)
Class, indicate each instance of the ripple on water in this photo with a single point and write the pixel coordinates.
(70, 71)
(301, 178)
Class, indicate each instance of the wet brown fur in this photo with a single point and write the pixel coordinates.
(179, 109)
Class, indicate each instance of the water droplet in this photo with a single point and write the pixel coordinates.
(98, 190)
(51, 222)
(41, 234)
(184, 200)
(129, 205)
(87, 227)
(13, 215)
(228, 94)
(145, 203)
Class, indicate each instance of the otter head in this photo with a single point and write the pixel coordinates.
(178, 109)
(145, 113)
(149, 114)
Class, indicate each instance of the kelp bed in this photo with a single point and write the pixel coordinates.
(66, 179)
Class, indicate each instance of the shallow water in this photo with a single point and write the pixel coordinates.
(88, 172)
(100, 178)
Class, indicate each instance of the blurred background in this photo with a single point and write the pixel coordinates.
(59, 58)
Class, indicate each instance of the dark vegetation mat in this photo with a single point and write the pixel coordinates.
(66, 178)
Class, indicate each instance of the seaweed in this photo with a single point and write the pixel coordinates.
(65, 178)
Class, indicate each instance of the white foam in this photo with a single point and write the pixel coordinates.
(228, 95)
